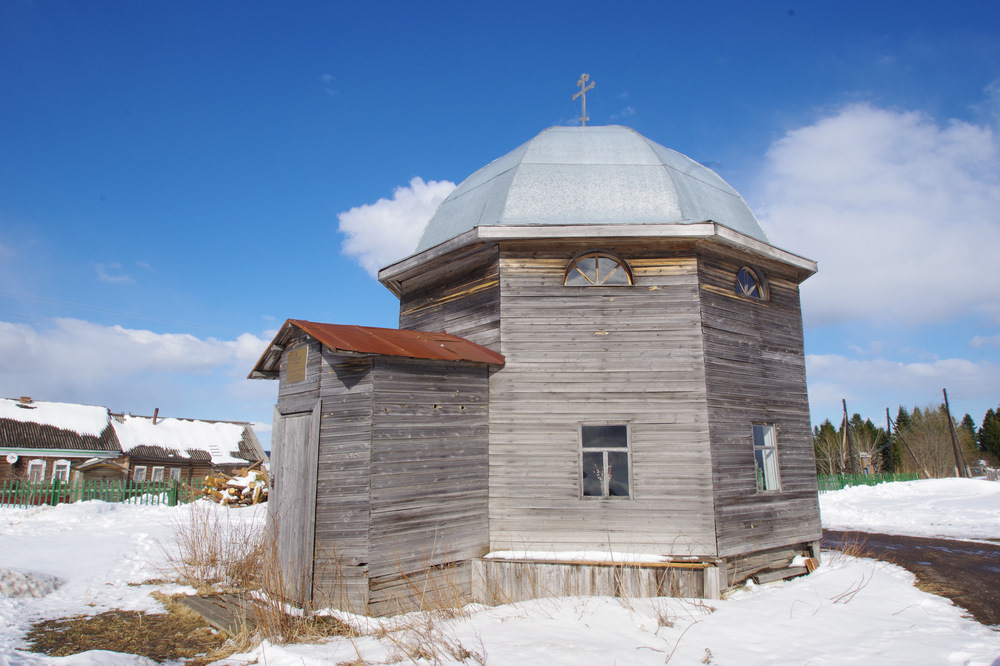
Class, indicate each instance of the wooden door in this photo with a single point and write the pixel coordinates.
(292, 501)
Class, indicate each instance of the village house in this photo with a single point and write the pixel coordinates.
(43, 441)
(599, 362)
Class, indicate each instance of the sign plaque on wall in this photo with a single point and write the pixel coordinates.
(296, 371)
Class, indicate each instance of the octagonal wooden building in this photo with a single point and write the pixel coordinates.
(629, 414)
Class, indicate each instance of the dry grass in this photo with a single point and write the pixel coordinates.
(211, 551)
(178, 634)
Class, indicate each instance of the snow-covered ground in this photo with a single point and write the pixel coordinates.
(849, 611)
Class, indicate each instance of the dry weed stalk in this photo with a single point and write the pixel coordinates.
(211, 550)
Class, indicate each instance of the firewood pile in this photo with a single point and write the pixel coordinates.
(244, 487)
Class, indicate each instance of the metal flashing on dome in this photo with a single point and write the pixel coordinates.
(604, 175)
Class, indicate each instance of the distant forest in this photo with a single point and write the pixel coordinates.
(917, 441)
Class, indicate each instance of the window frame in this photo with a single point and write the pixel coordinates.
(763, 293)
(157, 471)
(135, 474)
(606, 481)
(175, 473)
(61, 469)
(40, 478)
(597, 255)
(767, 471)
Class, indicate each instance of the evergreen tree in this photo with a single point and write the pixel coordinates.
(989, 435)
(903, 422)
(969, 426)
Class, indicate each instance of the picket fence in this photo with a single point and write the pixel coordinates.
(20, 493)
(828, 482)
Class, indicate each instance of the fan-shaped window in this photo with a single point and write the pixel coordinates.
(749, 283)
(597, 269)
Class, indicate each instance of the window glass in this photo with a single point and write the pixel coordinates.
(36, 471)
(597, 268)
(593, 469)
(765, 454)
(60, 470)
(175, 473)
(605, 436)
(139, 474)
(156, 474)
(605, 460)
(618, 472)
(748, 283)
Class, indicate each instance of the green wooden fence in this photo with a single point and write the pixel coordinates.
(19, 493)
(828, 482)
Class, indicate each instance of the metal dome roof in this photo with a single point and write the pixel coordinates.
(590, 175)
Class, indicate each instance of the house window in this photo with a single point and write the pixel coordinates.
(605, 463)
(156, 474)
(60, 470)
(175, 473)
(139, 474)
(36, 471)
(765, 458)
(749, 283)
(597, 268)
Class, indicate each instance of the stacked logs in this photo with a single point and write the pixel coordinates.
(244, 487)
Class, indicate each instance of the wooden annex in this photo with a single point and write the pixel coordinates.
(643, 423)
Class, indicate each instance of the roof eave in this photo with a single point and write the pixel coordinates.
(393, 275)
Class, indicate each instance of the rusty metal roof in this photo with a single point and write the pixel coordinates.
(381, 341)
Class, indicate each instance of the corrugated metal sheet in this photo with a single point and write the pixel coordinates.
(383, 341)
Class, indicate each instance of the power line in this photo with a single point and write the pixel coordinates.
(120, 313)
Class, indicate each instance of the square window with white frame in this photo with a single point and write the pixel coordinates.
(765, 458)
(156, 474)
(605, 461)
(175, 473)
(60, 470)
(36, 471)
(139, 474)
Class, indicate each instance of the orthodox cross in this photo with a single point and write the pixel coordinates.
(582, 83)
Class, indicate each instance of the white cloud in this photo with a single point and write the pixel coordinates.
(104, 274)
(389, 229)
(985, 341)
(79, 361)
(866, 383)
(897, 210)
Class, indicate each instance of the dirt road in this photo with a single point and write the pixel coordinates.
(966, 572)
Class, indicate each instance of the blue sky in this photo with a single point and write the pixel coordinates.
(175, 176)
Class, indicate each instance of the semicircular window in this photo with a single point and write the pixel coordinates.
(597, 269)
(749, 283)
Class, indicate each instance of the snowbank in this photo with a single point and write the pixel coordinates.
(948, 508)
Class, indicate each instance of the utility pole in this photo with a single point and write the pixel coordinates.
(960, 466)
(848, 440)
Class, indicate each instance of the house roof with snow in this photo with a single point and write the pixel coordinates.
(35, 427)
(217, 442)
(32, 427)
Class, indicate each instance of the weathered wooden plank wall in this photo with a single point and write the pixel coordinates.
(755, 373)
(600, 355)
(461, 297)
(429, 475)
(502, 581)
(344, 482)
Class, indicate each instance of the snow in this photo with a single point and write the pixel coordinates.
(219, 439)
(946, 508)
(82, 419)
(849, 611)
